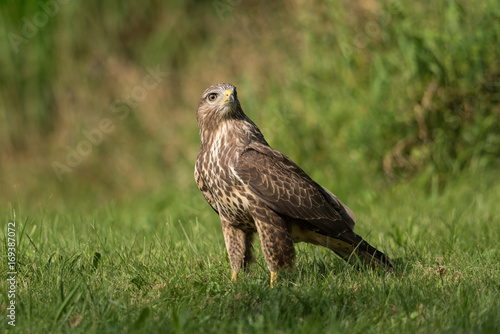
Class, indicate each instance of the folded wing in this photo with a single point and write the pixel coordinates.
(289, 191)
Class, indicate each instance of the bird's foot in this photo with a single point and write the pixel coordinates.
(234, 276)
(274, 278)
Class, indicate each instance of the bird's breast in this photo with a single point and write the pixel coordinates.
(215, 164)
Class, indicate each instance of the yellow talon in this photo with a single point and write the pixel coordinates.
(274, 277)
(234, 276)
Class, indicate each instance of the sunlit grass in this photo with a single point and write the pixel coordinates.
(129, 268)
(391, 105)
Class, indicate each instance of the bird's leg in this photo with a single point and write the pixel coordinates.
(235, 245)
(276, 242)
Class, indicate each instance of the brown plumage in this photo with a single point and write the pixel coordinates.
(255, 188)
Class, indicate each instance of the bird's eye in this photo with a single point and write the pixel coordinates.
(212, 97)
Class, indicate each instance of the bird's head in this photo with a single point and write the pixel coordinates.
(219, 102)
(219, 112)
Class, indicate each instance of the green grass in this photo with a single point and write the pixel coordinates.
(393, 105)
(133, 268)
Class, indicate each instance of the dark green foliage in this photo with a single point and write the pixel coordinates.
(358, 93)
(397, 88)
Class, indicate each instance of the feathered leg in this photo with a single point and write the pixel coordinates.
(276, 242)
(238, 245)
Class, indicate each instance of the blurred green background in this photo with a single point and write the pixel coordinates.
(392, 105)
(98, 98)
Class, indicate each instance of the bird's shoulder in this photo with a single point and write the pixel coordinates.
(260, 156)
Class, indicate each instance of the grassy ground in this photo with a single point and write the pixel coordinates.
(393, 105)
(147, 268)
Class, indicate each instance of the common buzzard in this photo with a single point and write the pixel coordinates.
(255, 188)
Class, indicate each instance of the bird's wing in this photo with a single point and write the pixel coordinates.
(288, 190)
(346, 208)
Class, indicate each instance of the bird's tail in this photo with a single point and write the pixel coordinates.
(353, 249)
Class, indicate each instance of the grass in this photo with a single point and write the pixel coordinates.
(393, 105)
(128, 268)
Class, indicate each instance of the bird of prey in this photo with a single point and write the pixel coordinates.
(255, 188)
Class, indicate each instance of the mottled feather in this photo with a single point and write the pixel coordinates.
(255, 188)
(288, 190)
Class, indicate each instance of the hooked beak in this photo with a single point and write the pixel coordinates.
(229, 97)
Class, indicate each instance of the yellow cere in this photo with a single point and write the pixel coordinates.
(228, 94)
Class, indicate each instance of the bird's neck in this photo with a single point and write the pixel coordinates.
(239, 131)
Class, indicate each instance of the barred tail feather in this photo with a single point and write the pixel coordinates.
(353, 249)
